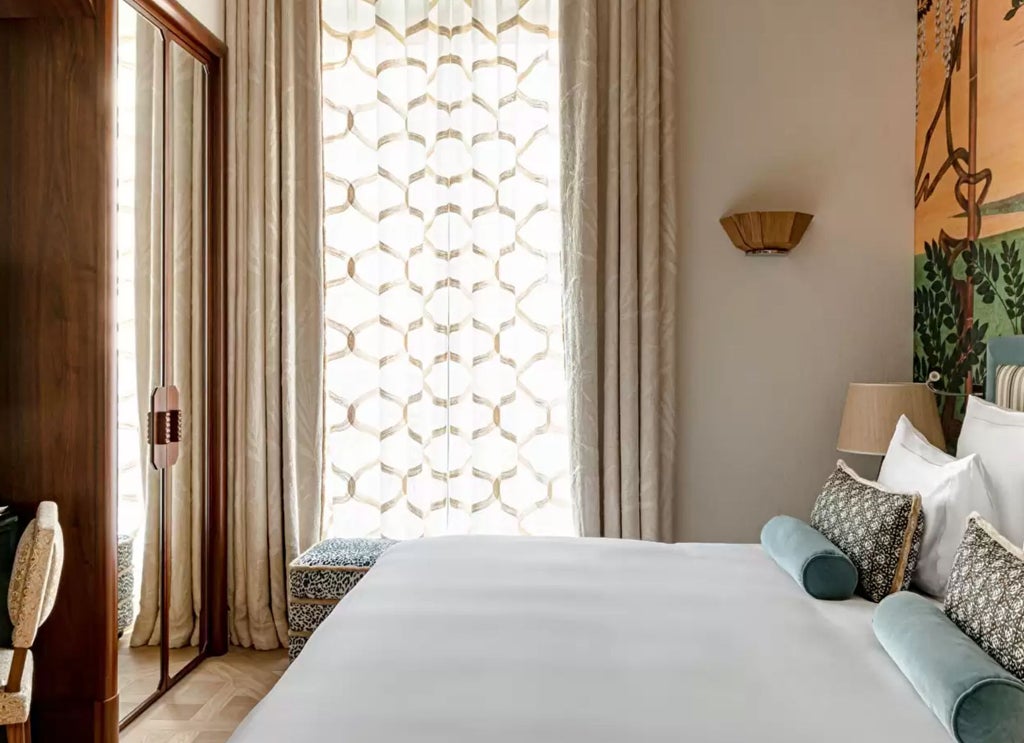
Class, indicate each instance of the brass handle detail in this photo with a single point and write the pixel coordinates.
(164, 427)
(168, 427)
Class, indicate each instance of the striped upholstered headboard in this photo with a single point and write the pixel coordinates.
(1006, 387)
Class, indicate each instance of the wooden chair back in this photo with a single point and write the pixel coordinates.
(34, 579)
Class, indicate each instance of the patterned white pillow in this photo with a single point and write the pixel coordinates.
(951, 489)
(878, 529)
(985, 595)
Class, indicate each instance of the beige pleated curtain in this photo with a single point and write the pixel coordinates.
(618, 149)
(275, 316)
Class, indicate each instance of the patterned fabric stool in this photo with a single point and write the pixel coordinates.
(320, 577)
(125, 583)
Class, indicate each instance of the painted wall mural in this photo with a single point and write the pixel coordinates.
(969, 189)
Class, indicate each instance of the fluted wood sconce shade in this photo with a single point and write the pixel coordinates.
(766, 233)
(872, 411)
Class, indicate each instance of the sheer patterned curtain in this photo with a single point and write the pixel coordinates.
(445, 389)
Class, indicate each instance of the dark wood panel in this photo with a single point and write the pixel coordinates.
(57, 370)
(57, 386)
(44, 8)
(217, 309)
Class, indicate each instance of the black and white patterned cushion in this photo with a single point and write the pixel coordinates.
(880, 531)
(332, 568)
(985, 594)
(306, 615)
(323, 582)
(320, 577)
(296, 641)
(125, 583)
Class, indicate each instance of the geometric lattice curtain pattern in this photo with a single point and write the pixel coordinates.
(445, 389)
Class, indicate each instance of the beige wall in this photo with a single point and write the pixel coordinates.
(804, 105)
(209, 12)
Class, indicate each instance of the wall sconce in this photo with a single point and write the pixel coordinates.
(766, 233)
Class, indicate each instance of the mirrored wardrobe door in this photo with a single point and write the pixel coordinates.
(139, 339)
(187, 478)
(170, 365)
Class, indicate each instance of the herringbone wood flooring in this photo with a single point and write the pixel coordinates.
(138, 671)
(210, 702)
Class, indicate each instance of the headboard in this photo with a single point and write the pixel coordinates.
(1007, 350)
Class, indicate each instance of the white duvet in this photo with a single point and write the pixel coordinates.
(504, 640)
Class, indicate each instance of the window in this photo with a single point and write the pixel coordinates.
(444, 383)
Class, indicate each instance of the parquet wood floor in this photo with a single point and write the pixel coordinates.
(207, 705)
(138, 671)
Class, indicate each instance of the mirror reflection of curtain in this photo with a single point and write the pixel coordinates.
(186, 211)
(148, 228)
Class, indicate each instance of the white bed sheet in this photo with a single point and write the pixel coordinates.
(505, 640)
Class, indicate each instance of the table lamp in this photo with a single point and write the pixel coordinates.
(872, 411)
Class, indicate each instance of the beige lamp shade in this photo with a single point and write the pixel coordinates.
(872, 411)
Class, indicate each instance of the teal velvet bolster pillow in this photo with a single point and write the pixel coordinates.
(813, 561)
(975, 698)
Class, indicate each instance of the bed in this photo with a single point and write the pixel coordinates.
(461, 639)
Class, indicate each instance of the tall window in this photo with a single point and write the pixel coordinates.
(445, 387)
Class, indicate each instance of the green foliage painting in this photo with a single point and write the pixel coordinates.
(969, 192)
(945, 342)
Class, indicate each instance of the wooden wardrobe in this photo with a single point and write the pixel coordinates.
(58, 386)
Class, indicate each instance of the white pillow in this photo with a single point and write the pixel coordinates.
(951, 489)
(997, 435)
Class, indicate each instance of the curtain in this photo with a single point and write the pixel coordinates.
(445, 384)
(187, 209)
(275, 314)
(620, 263)
(140, 148)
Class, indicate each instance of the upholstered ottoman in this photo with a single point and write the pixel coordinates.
(125, 583)
(320, 577)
